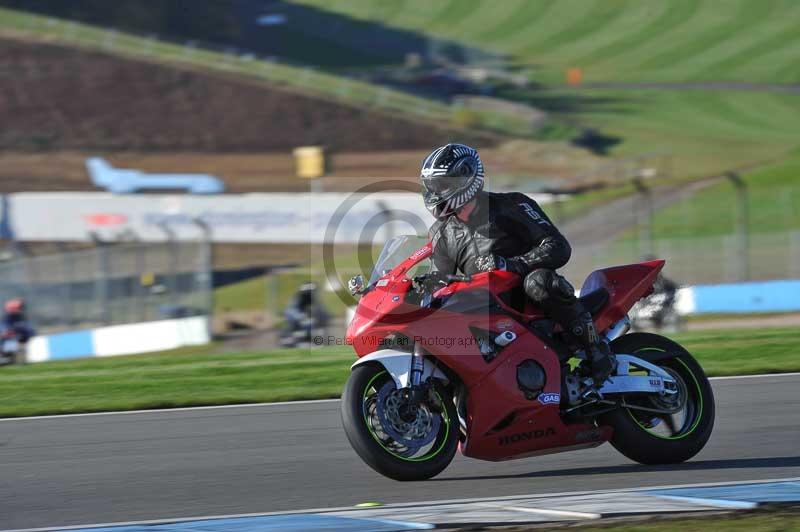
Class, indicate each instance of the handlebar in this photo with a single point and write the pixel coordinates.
(434, 281)
(458, 278)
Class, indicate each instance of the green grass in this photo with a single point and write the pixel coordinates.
(613, 40)
(708, 131)
(186, 377)
(744, 351)
(698, 238)
(274, 292)
(244, 295)
(202, 376)
(773, 205)
(682, 40)
(759, 521)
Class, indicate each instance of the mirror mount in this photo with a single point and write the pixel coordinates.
(356, 285)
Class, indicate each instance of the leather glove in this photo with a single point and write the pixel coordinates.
(430, 282)
(488, 263)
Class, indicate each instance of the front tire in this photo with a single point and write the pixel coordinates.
(648, 438)
(415, 447)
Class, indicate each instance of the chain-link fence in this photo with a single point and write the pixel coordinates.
(721, 233)
(111, 284)
(703, 260)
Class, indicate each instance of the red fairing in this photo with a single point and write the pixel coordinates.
(502, 423)
(382, 310)
(625, 284)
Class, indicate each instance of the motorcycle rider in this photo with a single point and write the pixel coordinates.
(14, 320)
(478, 231)
(304, 314)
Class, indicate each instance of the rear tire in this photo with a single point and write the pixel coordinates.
(382, 453)
(635, 433)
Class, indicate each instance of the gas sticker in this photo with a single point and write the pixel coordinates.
(549, 398)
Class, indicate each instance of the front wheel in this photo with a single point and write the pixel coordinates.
(657, 438)
(394, 436)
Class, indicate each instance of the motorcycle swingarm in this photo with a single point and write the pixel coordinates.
(623, 382)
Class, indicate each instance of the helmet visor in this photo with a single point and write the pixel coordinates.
(441, 210)
(444, 186)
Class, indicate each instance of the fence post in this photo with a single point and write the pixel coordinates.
(172, 245)
(145, 279)
(644, 216)
(69, 273)
(206, 274)
(794, 254)
(101, 282)
(32, 277)
(742, 225)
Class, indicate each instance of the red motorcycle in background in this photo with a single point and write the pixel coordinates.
(472, 363)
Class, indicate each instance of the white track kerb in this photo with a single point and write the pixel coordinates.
(562, 507)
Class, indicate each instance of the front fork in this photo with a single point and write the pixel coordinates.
(418, 391)
(417, 366)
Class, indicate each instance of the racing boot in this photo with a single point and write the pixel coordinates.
(601, 359)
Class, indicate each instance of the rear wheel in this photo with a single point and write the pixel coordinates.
(663, 438)
(394, 436)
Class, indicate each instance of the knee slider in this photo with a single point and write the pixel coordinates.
(562, 290)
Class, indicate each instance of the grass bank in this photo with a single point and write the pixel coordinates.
(760, 521)
(202, 376)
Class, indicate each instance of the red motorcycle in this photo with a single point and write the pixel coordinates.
(472, 363)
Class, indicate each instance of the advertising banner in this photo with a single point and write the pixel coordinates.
(309, 218)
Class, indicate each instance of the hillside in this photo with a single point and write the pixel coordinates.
(57, 97)
(715, 83)
(619, 40)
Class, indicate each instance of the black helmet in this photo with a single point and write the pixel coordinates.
(451, 176)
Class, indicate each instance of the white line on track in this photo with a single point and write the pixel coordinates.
(733, 505)
(166, 410)
(292, 403)
(506, 500)
(544, 511)
(762, 376)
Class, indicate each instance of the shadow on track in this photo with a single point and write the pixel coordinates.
(742, 463)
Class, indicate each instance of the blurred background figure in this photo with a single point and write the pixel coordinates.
(306, 318)
(659, 310)
(15, 331)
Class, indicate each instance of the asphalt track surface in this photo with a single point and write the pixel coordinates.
(199, 462)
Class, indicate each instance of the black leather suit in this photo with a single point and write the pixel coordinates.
(514, 227)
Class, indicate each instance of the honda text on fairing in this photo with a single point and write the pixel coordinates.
(506, 385)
